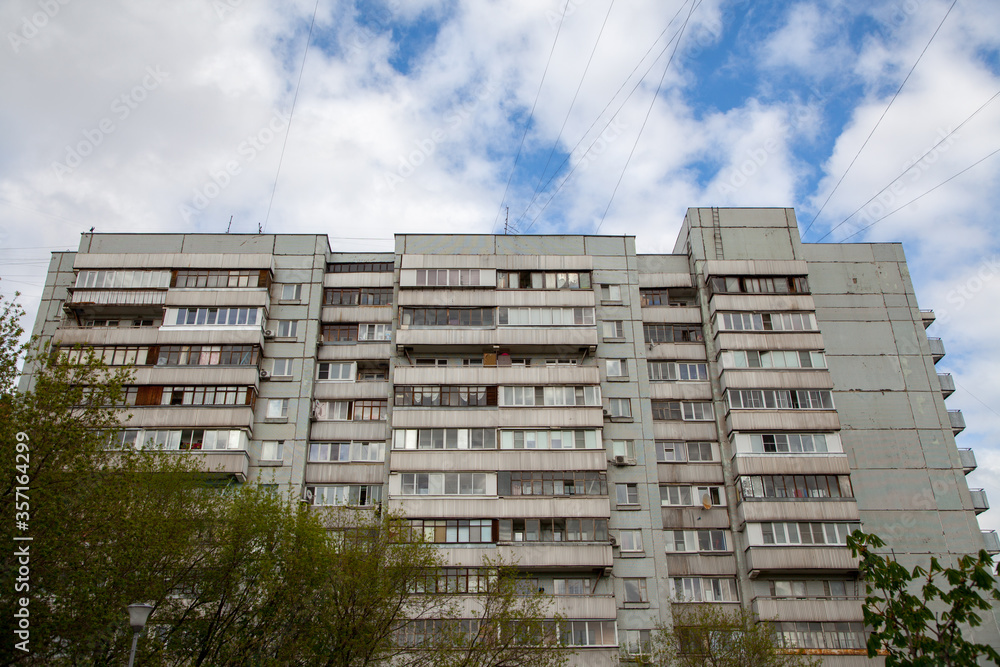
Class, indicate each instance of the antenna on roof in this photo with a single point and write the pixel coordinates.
(507, 226)
(230, 225)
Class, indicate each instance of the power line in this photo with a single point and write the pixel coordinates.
(649, 110)
(929, 151)
(288, 130)
(531, 114)
(879, 121)
(610, 120)
(923, 195)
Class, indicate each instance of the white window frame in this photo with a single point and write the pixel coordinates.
(616, 368)
(277, 408)
(615, 407)
(285, 328)
(340, 366)
(281, 367)
(375, 331)
(272, 450)
(610, 292)
(630, 540)
(291, 292)
(613, 329)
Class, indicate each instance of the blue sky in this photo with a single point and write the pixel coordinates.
(133, 116)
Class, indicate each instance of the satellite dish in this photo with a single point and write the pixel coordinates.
(706, 502)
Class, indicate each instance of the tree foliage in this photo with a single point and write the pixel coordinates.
(710, 635)
(920, 616)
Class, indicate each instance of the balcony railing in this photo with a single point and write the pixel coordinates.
(979, 501)
(957, 421)
(968, 458)
(992, 541)
(118, 297)
(927, 316)
(937, 349)
(947, 384)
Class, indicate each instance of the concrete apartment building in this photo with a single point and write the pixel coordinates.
(634, 430)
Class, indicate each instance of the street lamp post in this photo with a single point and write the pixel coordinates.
(137, 615)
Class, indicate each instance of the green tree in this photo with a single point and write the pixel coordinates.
(918, 616)
(709, 635)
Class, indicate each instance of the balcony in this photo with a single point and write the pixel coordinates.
(117, 297)
(800, 559)
(947, 384)
(927, 316)
(968, 459)
(979, 501)
(992, 541)
(225, 464)
(957, 421)
(937, 349)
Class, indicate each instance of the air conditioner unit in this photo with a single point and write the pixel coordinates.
(619, 460)
(606, 413)
(613, 541)
(268, 333)
(264, 374)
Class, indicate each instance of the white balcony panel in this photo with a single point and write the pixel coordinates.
(783, 420)
(791, 464)
(190, 417)
(695, 517)
(802, 509)
(706, 565)
(761, 303)
(357, 313)
(217, 375)
(498, 418)
(345, 473)
(685, 430)
(476, 375)
(684, 391)
(503, 336)
(671, 314)
(820, 610)
(770, 340)
(352, 351)
(493, 460)
(468, 507)
(371, 279)
(530, 262)
(676, 351)
(755, 267)
(348, 430)
(88, 336)
(447, 261)
(350, 390)
(218, 296)
(776, 378)
(233, 464)
(559, 556)
(122, 297)
(594, 607)
(174, 261)
(808, 559)
(664, 279)
(690, 473)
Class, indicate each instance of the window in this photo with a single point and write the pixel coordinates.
(704, 589)
(671, 451)
(773, 359)
(779, 399)
(374, 331)
(180, 439)
(271, 450)
(613, 328)
(523, 317)
(281, 367)
(543, 280)
(630, 540)
(799, 533)
(624, 448)
(660, 371)
(519, 396)
(445, 438)
(446, 317)
(366, 410)
(345, 452)
(571, 586)
(620, 407)
(825, 635)
(627, 494)
(758, 285)
(221, 278)
(544, 439)
(656, 296)
(443, 484)
(211, 316)
(355, 495)
(587, 633)
(339, 333)
(611, 293)
(285, 328)
(554, 530)
(357, 296)
(636, 642)
(333, 371)
(445, 396)
(617, 368)
(291, 292)
(457, 580)
(683, 495)
(424, 361)
(766, 321)
(454, 531)
(788, 443)
(682, 410)
(359, 267)
(672, 333)
(552, 483)
(196, 395)
(206, 355)
(126, 279)
(795, 486)
(111, 355)
(635, 589)
(696, 540)
(447, 277)
(277, 408)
